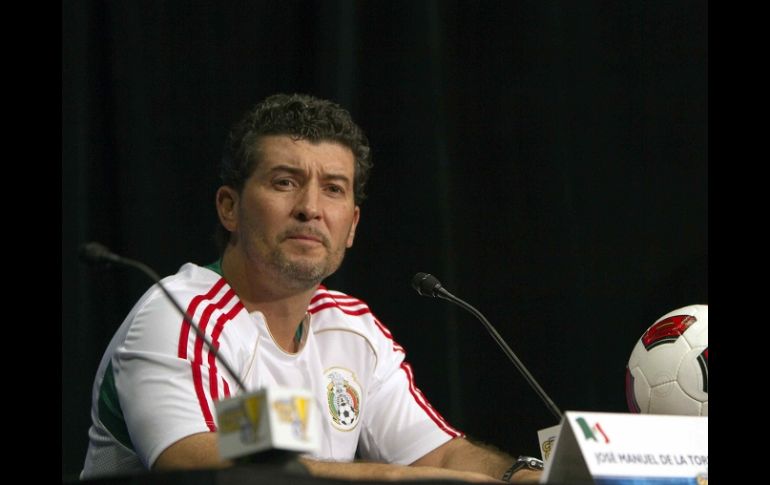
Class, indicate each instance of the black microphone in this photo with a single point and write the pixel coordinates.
(428, 285)
(97, 254)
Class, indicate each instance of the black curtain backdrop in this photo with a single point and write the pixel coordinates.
(546, 160)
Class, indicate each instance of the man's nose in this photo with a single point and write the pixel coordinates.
(306, 207)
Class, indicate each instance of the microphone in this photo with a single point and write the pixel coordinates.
(97, 254)
(428, 285)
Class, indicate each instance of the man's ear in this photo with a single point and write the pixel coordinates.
(227, 207)
(352, 232)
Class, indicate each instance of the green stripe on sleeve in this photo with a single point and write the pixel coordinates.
(110, 413)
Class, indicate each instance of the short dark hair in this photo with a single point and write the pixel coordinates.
(300, 116)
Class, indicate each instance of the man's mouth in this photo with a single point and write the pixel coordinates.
(307, 238)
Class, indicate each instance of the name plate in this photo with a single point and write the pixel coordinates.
(621, 448)
(271, 418)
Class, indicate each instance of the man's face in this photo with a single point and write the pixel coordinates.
(296, 214)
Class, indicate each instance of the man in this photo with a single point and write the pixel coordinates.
(293, 178)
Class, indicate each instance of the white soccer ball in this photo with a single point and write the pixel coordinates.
(668, 372)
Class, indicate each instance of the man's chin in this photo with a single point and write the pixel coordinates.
(305, 271)
(304, 275)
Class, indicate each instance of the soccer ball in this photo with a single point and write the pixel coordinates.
(347, 414)
(668, 369)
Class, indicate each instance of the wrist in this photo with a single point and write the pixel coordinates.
(522, 463)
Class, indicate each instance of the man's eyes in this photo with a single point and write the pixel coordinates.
(284, 183)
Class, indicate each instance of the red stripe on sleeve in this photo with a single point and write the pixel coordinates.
(396, 346)
(324, 306)
(419, 398)
(196, 370)
(385, 331)
(197, 360)
(184, 334)
(218, 328)
(322, 292)
(338, 299)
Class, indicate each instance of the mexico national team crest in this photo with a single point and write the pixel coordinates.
(343, 393)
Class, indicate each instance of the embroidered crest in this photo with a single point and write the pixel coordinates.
(343, 394)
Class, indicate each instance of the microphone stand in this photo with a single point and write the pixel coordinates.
(428, 285)
(96, 253)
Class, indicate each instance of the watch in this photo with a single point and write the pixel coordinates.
(528, 462)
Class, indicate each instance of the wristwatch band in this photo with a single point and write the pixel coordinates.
(528, 462)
